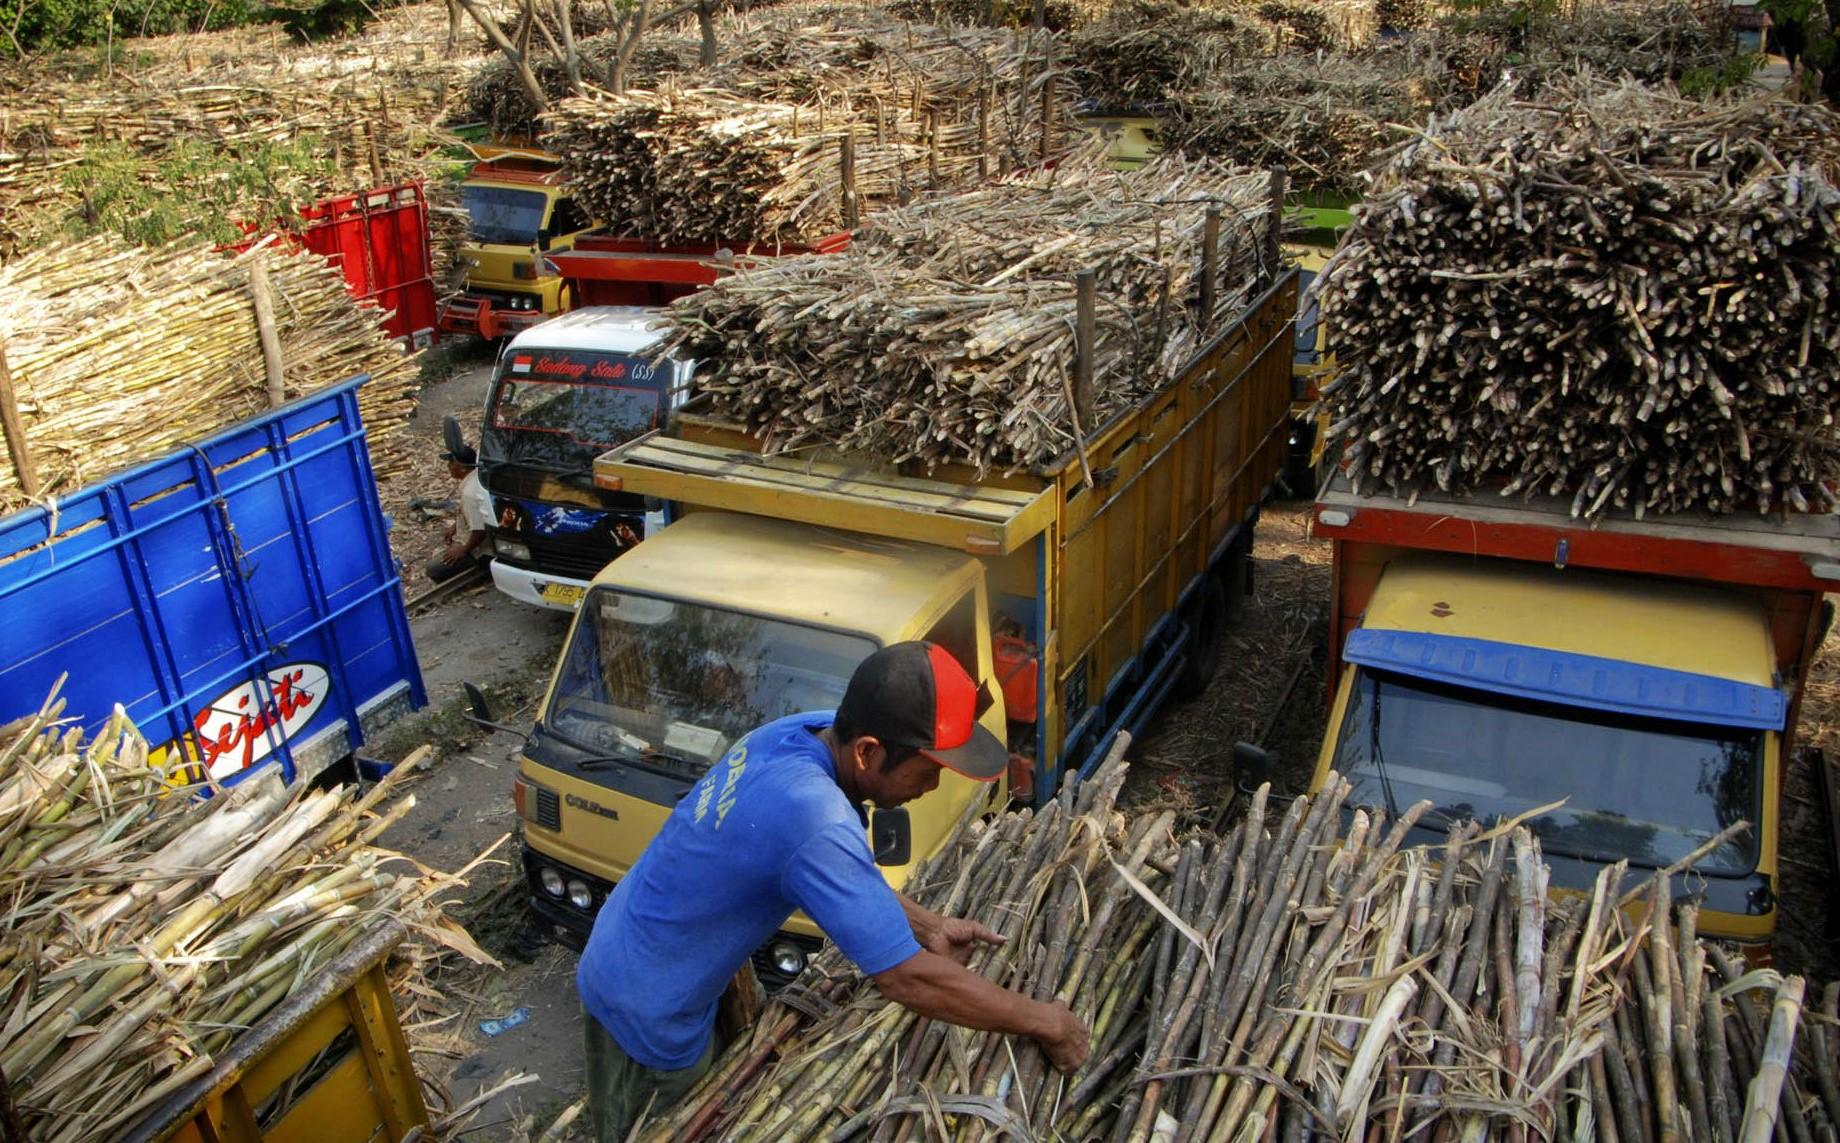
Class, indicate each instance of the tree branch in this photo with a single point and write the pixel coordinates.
(500, 41)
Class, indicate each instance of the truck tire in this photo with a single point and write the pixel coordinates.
(1235, 576)
(1300, 475)
(1208, 622)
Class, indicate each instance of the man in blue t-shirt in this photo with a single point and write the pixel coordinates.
(777, 826)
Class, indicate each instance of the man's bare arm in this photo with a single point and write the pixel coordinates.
(939, 987)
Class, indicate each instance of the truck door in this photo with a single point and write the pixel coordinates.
(963, 629)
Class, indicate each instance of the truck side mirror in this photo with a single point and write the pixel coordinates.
(451, 436)
(477, 702)
(891, 837)
(1251, 765)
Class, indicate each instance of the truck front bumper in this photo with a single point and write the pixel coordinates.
(539, 589)
(561, 919)
(469, 314)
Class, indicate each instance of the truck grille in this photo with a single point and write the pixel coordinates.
(577, 558)
(549, 808)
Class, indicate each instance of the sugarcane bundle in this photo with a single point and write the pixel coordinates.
(119, 354)
(496, 96)
(1142, 51)
(65, 150)
(946, 331)
(1307, 976)
(1057, 15)
(145, 927)
(1615, 295)
(1302, 26)
(1402, 15)
(705, 164)
(1325, 118)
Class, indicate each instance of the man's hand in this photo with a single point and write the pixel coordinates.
(1064, 1038)
(956, 937)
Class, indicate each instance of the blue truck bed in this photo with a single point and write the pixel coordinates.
(238, 598)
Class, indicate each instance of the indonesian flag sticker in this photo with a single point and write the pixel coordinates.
(520, 364)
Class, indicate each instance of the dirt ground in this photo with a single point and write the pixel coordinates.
(1269, 688)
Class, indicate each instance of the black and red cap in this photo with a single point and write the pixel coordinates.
(916, 696)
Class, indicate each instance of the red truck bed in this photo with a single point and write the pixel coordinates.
(607, 271)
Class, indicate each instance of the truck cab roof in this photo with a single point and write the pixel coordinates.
(886, 589)
(601, 329)
(1673, 626)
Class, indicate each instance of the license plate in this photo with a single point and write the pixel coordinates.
(561, 594)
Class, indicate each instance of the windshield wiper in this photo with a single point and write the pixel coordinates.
(651, 760)
(1373, 739)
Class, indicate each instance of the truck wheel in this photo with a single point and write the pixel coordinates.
(1235, 574)
(1299, 471)
(1208, 619)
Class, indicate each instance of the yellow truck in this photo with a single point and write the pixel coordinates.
(519, 210)
(1635, 681)
(1083, 592)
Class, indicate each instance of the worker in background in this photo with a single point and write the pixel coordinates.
(475, 546)
(778, 825)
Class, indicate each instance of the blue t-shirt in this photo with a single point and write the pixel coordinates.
(765, 832)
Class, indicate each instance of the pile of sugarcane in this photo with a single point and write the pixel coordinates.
(1325, 118)
(145, 927)
(1303, 978)
(810, 132)
(496, 95)
(369, 134)
(1614, 295)
(946, 333)
(1142, 51)
(120, 354)
(1302, 26)
(1057, 15)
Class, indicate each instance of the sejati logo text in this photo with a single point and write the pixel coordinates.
(244, 725)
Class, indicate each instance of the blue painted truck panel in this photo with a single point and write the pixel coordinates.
(238, 597)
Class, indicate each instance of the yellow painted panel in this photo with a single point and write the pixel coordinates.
(341, 1105)
(1678, 626)
(268, 1073)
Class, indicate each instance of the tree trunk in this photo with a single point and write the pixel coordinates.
(706, 24)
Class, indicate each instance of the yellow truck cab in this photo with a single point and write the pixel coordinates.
(1496, 656)
(1085, 592)
(519, 209)
(716, 625)
(1130, 140)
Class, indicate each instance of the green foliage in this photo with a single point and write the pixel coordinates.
(1731, 73)
(194, 188)
(31, 26)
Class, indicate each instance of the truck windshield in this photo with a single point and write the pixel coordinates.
(503, 215)
(646, 674)
(558, 410)
(1650, 790)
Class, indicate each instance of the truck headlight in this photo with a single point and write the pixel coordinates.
(552, 881)
(580, 895)
(787, 957)
(513, 550)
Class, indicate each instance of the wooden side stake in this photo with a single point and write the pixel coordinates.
(1210, 264)
(15, 429)
(1274, 223)
(370, 146)
(1086, 284)
(932, 147)
(265, 329)
(1047, 115)
(984, 132)
(851, 208)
